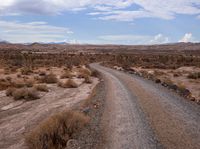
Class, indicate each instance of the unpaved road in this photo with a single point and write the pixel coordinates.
(142, 115)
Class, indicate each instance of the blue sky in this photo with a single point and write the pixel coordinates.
(100, 21)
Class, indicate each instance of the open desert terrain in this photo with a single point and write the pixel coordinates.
(86, 96)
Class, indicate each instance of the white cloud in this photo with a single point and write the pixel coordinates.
(159, 39)
(32, 32)
(105, 9)
(134, 39)
(187, 38)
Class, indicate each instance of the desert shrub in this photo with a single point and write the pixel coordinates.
(18, 83)
(41, 87)
(177, 74)
(68, 84)
(88, 80)
(29, 82)
(84, 71)
(26, 71)
(25, 93)
(49, 78)
(195, 75)
(9, 91)
(8, 78)
(4, 84)
(95, 73)
(66, 74)
(42, 73)
(55, 131)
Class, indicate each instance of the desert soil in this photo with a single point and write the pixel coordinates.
(19, 117)
(141, 114)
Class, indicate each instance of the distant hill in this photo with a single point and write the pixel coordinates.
(3, 42)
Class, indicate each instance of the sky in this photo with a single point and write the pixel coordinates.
(130, 22)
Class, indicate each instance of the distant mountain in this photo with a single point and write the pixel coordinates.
(45, 43)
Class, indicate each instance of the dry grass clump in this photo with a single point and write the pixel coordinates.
(68, 84)
(19, 83)
(49, 78)
(66, 74)
(22, 93)
(10, 91)
(41, 87)
(84, 72)
(88, 80)
(4, 84)
(54, 132)
(195, 75)
(25, 71)
(95, 73)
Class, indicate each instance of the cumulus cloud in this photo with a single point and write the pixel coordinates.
(32, 32)
(104, 9)
(159, 39)
(134, 39)
(187, 38)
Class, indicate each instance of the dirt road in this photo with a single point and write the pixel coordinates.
(142, 115)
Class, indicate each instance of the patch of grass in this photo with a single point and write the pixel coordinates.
(24, 93)
(55, 131)
(68, 84)
(41, 87)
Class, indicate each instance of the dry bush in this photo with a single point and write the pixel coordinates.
(41, 87)
(42, 73)
(66, 74)
(30, 82)
(25, 93)
(19, 75)
(55, 131)
(68, 84)
(8, 78)
(181, 86)
(9, 91)
(195, 75)
(88, 80)
(19, 83)
(49, 78)
(4, 84)
(83, 72)
(95, 73)
(25, 71)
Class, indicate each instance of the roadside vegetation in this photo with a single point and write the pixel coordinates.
(57, 130)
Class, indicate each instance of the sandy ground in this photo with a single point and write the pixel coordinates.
(19, 117)
(141, 114)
